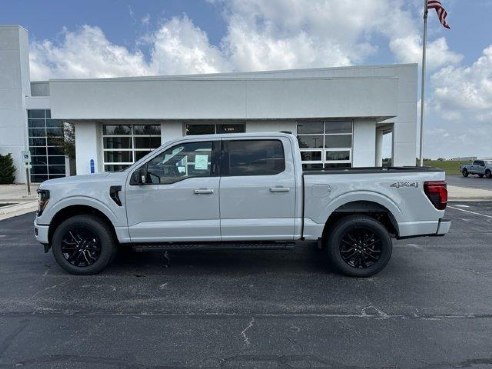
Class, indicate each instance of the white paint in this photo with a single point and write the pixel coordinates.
(87, 147)
(188, 98)
(364, 143)
(14, 86)
(461, 206)
(471, 212)
(379, 148)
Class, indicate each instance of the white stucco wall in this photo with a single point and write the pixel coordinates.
(87, 147)
(171, 130)
(14, 86)
(364, 143)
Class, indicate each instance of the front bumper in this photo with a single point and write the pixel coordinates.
(443, 227)
(41, 232)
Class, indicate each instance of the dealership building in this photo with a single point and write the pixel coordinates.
(339, 115)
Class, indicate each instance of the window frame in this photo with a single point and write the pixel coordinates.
(214, 170)
(224, 172)
(215, 125)
(133, 150)
(324, 150)
(40, 121)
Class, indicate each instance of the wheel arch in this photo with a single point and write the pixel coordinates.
(370, 208)
(73, 210)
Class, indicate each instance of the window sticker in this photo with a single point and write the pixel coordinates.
(201, 162)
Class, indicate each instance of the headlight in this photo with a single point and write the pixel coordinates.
(43, 198)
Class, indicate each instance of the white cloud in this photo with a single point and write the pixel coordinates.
(408, 49)
(274, 34)
(180, 48)
(459, 89)
(84, 53)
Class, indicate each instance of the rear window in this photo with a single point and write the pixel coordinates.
(253, 158)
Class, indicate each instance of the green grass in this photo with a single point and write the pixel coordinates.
(451, 167)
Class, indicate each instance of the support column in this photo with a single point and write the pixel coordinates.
(379, 148)
(87, 148)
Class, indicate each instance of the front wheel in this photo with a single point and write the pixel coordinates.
(465, 173)
(83, 244)
(359, 246)
(488, 173)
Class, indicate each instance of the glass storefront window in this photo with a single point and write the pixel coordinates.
(45, 137)
(325, 144)
(214, 128)
(124, 144)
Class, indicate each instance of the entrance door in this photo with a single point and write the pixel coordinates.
(179, 200)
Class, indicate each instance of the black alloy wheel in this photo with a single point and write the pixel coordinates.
(81, 247)
(83, 244)
(358, 246)
(465, 173)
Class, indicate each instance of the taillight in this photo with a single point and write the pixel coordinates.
(437, 192)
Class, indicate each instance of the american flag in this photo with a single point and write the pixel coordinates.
(441, 12)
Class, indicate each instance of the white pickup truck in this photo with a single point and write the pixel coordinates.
(238, 191)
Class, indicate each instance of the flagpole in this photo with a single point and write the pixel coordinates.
(424, 45)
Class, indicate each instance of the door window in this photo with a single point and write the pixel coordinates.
(253, 158)
(187, 160)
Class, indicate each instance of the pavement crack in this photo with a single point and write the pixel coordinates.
(243, 333)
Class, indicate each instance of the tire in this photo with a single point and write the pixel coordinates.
(488, 174)
(480, 175)
(83, 244)
(349, 242)
(465, 173)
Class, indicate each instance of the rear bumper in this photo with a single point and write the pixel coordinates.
(443, 227)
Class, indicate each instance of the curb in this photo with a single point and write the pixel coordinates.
(14, 210)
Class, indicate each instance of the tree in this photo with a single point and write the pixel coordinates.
(67, 142)
(7, 169)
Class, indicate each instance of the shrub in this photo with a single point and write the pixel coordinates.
(7, 169)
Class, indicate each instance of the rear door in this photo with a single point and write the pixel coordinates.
(257, 190)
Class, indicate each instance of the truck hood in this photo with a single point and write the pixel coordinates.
(117, 178)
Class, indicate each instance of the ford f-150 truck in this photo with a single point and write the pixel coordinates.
(479, 167)
(238, 191)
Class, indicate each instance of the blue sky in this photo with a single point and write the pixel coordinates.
(116, 38)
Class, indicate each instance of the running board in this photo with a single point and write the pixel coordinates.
(213, 246)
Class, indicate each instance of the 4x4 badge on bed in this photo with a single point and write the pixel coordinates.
(405, 184)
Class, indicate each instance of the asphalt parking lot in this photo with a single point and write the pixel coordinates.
(430, 308)
(470, 181)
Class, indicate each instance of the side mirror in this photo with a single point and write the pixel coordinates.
(139, 176)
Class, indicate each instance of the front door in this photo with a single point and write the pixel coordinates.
(179, 200)
(257, 191)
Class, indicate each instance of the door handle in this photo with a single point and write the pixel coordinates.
(279, 189)
(203, 191)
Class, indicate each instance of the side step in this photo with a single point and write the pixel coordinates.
(213, 246)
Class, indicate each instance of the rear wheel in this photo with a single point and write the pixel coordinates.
(359, 246)
(488, 173)
(465, 173)
(83, 244)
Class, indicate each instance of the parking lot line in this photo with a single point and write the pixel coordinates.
(469, 211)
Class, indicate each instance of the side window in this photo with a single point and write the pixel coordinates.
(476, 162)
(253, 157)
(193, 159)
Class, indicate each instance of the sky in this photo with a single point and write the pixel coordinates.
(109, 38)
